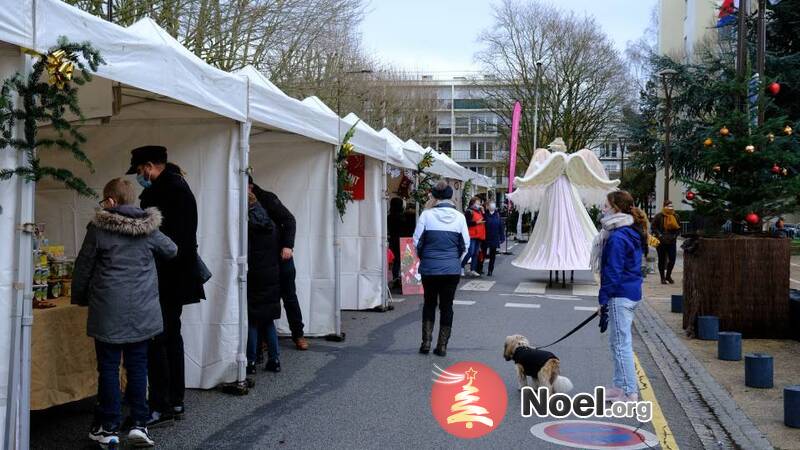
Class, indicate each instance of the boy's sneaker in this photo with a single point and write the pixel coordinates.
(158, 419)
(105, 438)
(138, 437)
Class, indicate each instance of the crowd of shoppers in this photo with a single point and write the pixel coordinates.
(139, 266)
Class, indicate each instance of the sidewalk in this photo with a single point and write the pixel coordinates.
(763, 406)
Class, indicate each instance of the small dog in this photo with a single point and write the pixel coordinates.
(542, 366)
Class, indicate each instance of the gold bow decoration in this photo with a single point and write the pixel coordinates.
(60, 68)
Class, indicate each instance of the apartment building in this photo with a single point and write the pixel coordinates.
(465, 128)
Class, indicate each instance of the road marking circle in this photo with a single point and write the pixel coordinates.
(594, 435)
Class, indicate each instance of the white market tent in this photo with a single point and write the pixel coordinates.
(165, 96)
(298, 168)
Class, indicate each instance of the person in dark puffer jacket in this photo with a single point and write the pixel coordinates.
(442, 239)
(263, 285)
(115, 276)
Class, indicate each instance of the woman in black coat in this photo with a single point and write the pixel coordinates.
(263, 286)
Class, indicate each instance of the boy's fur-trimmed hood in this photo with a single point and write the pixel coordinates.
(128, 220)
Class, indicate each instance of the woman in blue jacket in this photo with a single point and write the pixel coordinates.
(442, 239)
(495, 235)
(617, 253)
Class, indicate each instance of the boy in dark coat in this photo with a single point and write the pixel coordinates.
(495, 235)
(180, 281)
(115, 275)
(263, 285)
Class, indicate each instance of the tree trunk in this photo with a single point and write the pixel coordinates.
(744, 280)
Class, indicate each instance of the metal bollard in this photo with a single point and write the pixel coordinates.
(758, 370)
(729, 347)
(791, 406)
(708, 328)
(677, 303)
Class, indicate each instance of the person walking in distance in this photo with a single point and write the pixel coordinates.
(667, 228)
(115, 276)
(441, 238)
(477, 234)
(287, 226)
(179, 280)
(495, 235)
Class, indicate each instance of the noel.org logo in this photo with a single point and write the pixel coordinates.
(468, 399)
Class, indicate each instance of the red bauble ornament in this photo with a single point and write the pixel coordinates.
(774, 88)
(690, 196)
(752, 218)
(776, 169)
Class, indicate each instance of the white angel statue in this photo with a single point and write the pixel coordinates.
(558, 185)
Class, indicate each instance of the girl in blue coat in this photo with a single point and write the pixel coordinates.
(495, 235)
(617, 255)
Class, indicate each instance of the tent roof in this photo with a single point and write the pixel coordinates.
(371, 143)
(270, 107)
(439, 167)
(142, 56)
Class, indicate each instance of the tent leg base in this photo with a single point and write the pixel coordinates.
(383, 308)
(238, 387)
(333, 337)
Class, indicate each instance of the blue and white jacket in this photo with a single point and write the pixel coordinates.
(621, 268)
(442, 239)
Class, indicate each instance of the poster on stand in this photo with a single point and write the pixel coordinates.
(409, 268)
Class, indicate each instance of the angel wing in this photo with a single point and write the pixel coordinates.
(544, 169)
(588, 175)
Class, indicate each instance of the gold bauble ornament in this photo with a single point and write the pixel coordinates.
(784, 172)
(724, 131)
(716, 168)
(771, 138)
(59, 68)
(750, 149)
(708, 142)
(787, 130)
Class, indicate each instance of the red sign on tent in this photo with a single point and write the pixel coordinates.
(355, 167)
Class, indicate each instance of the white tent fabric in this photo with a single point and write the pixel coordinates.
(439, 167)
(558, 185)
(269, 106)
(170, 70)
(365, 140)
(300, 173)
(394, 150)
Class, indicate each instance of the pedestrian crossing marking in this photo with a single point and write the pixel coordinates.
(530, 288)
(585, 290)
(562, 297)
(463, 302)
(571, 298)
(585, 308)
(523, 305)
(398, 300)
(477, 285)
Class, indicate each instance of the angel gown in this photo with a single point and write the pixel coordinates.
(558, 185)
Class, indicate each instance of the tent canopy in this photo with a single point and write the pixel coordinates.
(439, 167)
(370, 142)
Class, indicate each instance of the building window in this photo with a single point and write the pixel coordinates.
(481, 150)
(444, 126)
(462, 125)
(444, 147)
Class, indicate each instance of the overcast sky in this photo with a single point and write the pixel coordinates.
(441, 35)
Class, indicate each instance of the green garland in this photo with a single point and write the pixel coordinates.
(466, 194)
(424, 179)
(46, 102)
(343, 177)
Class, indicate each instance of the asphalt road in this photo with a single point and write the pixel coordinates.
(373, 390)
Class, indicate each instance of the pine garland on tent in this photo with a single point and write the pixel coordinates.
(343, 177)
(424, 179)
(47, 102)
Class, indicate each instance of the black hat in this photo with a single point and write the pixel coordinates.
(442, 194)
(147, 154)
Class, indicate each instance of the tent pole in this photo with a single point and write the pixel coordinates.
(337, 335)
(384, 238)
(244, 171)
(25, 290)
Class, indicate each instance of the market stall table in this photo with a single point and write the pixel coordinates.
(63, 363)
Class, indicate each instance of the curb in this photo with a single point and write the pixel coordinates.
(715, 416)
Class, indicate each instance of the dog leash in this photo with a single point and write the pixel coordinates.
(581, 325)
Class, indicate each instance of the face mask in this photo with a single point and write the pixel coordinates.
(492, 207)
(144, 182)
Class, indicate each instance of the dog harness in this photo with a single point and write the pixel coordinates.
(532, 360)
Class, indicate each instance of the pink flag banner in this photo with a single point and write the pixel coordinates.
(512, 161)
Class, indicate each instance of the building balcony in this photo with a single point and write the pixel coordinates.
(492, 156)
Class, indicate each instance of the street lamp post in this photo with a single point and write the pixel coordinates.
(666, 79)
(621, 157)
(536, 104)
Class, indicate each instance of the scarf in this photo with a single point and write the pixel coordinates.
(670, 222)
(609, 223)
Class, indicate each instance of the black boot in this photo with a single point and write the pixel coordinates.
(441, 346)
(427, 337)
(669, 277)
(661, 273)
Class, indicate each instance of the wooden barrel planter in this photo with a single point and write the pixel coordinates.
(743, 280)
